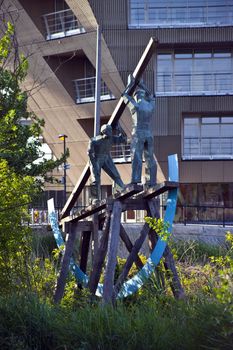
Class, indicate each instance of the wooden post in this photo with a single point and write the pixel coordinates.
(114, 232)
(153, 205)
(61, 281)
(129, 246)
(84, 250)
(95, 236)
(131, 258)
(100, 256)
(169, 263)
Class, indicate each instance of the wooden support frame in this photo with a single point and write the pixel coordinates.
(130, 286)
(114, 233)
(100, 256)
(84, 249)
(61, 281)
(169, 262)
(129, 245)
(131, 258)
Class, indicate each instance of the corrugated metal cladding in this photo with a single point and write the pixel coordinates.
(169, 110)
(127, 45)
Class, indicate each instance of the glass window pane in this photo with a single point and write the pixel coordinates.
(210, 130)
(222, 54)
(227, 120)
(191, 127)
(182, 12)
(183, 55)
(202, 54)
(210, 120)
(198, 72)
(211, 137)
(227, 130)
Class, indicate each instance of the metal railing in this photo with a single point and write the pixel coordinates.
(62, 23)
(213, 215)
(121, 153)
(208, 148)
(182, 13)
(85, 90)
(39, 217)
(185, 214)
(191, 84)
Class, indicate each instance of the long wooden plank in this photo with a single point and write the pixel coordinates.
(129, 245)
(61, 281)
(100, 256)
(159, 189)
(131, 258)
(140, 68)
(169, 262)
(86, 236)
(92, 209)
(111, 262)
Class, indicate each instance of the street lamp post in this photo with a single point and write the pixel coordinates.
(63, 137)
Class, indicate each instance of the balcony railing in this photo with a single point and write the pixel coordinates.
(60, 24)
(208, 148)
(194, 84)
(121, 153)
(85, 90)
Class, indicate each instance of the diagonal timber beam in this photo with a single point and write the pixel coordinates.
(140, 68)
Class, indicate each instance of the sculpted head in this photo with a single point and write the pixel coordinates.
(106, 129)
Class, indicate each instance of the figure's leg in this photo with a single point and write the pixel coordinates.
(110, 168)
(137, 145)
(95, 169)
(151, 166)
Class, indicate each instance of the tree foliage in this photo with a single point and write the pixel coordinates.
(15, 194)
(19, 141)
(19, 171)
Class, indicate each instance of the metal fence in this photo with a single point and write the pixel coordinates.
(61, 23)
(213, 215)
(201, 215)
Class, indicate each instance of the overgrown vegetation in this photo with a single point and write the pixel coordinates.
(21, 175)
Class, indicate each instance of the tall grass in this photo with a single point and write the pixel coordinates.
(27, 324)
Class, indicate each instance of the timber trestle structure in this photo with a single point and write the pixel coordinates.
(101, 224)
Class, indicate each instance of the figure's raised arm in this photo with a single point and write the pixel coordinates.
(120, 137)
(147, 91)
(126, 97)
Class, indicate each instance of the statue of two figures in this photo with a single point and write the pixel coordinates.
(142, 106)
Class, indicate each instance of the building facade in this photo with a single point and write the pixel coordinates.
(191, 75)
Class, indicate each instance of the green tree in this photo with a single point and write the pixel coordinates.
(15, 194)
(19, 173)
(19, 142)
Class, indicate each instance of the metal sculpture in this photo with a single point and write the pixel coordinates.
(142, 106)
(100, 158)
(106, 214)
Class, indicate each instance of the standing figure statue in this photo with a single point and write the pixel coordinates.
(142, 106)
(100, 158)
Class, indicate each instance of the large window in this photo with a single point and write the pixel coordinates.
(206, 203)
(178, 13)
(208, 137)
(194, 72)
